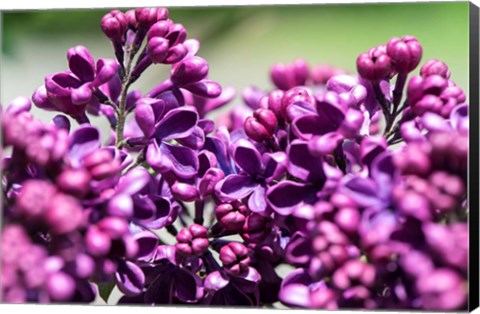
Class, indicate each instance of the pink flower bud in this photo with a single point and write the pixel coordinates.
(435, 67)
(114, 25)
(405, 53)
(375, 64)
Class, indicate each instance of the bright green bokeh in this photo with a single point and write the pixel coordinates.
(241, 43)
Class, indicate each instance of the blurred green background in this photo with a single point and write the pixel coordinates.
(241, 43)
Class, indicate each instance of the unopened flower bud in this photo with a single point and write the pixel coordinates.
(115, 227)
(184, 191)
(375, 64)
(192, 240)
(97, 242)
(294, 95)
(146, 17)
(74, 181)
(189, 70)
(275, 101)
(405, 53)
(256, 228)
(287, 76)
(159, 29)
(114, 25)
(435, 67)
(63, 214)
(60, 287)
(320, 74)
(261, 126)
(34, 197)
(234, 257)
(101, 164)
(231, 216)
(157, 48)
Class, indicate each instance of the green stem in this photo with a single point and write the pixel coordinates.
(126, 82)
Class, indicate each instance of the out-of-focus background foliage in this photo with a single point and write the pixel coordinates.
(241, 43)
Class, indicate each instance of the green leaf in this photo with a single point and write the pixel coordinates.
(105, 289)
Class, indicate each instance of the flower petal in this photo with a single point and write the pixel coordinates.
(177, 123)
(303, 165)
(129, 278)
(284, 196)
(83, 141)
(235, 187)
(275, 165)
(257, 202)
(81, 63)
(247, 157)
(215, 281)
(134, 181)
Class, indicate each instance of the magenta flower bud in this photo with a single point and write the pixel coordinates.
(352, 124)
(106, 70)
(84, 266)
(446, 191)
(131, 19)
(176, 54)
(146, 17)
(261, 126)
(287, 76)
(63, 214)
(40, 99)
(159, 29)
(97, 242)
(74, 181)
(184, 191)
(435, 67)
(157, 48)
(101, 164)
(114, 25)
(275, 101)
(176, 34)
(296, 94)
(256, 228)
(231, 216)
(120, 205)
(114, 227)
(207, 183)
(192, 240)
(348, 219)
(320, 74)
(60, 287)
(413, 204)
(234, 257)
(34, 197)
(189, 70)
(19, 104)
(354, 271)
(205, 88)
(404, 53)
(375, 64)
(442, 289)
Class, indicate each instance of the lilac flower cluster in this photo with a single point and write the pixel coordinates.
(357, 182)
